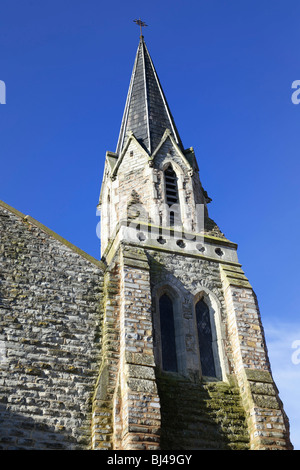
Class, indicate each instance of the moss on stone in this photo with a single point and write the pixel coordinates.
(201, 415)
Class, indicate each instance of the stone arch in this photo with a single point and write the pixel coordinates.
(169, 161)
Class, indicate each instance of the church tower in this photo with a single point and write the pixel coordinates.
(184, 360)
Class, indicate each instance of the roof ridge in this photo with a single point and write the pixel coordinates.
(144, 47)
(171, 119)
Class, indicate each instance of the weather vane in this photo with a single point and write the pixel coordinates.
(141, 24)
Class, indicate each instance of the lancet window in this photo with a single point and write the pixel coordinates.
(205, 339)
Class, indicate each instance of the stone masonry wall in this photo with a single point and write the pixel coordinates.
(196, 412)
(78, 360)
(267, 421)
(241, 346)
(190, 276)
(126, 409)
(133, 175)
(50, 337)
(138, 388)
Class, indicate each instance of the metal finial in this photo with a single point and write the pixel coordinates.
(141, 24)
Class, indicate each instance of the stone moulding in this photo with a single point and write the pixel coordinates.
(116, 239)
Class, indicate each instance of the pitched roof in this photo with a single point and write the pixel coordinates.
(147, 114)
(27, 219)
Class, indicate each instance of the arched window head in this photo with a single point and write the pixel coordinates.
(205, 339)
(172, 198)
(167, 331)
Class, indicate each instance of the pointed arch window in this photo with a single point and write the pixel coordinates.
(172, 197)
(205, 339)
(167, 331)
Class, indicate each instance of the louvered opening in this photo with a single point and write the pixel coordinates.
(172, 195)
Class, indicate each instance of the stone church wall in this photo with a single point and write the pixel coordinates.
(50, 342)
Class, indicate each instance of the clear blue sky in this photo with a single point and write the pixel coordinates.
(226, 67)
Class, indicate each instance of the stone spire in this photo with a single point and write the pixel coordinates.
(147, 114)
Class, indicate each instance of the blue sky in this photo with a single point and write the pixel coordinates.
(227, 69)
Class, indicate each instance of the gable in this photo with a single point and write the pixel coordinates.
(168, 149)
(127, 160)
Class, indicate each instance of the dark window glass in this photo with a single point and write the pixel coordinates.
(172, 194)
(168, 346)
(205, 339)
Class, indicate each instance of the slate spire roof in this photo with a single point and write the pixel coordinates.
(147, 114)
